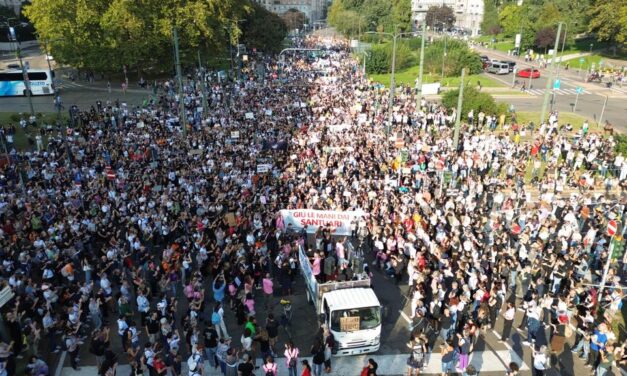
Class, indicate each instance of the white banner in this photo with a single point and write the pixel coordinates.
(263, 168)
(339, 221)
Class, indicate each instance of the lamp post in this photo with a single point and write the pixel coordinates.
(559, 65)
(392, 82)
(549, 82)
(179, 79)
(18, 52)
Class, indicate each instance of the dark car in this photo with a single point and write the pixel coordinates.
(512, 65)
(484, 58)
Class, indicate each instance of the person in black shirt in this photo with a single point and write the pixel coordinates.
(246, 368)
(211, 344)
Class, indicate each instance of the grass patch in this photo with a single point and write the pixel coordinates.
(576, 120)
(408, 77)
(588, 61)
(21, 138)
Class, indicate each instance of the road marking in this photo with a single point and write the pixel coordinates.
(484, 361)
(404, 316)
(498, 336)
(59, 369)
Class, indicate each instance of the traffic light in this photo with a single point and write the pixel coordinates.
(618, 247)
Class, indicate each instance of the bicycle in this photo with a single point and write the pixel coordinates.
(286, 317)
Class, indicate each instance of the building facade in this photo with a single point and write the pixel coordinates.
(468, 13)
(313, 9)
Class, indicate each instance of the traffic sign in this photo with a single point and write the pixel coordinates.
(618, 247)
(556, 84)
(611, 227)
(581, 60)
(579, 89)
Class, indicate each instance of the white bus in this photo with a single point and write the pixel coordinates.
(12, 82)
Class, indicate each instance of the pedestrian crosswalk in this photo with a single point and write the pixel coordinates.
(557, 92)
(389, 365)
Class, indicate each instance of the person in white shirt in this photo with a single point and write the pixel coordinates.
(540, 361)
(508, 321)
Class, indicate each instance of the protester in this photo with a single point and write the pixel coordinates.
(163, 218)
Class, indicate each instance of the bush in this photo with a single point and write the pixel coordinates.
(621, 144)
(473, 100)
(380, 59)
(458, 56)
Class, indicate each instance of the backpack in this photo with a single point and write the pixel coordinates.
(215, 318)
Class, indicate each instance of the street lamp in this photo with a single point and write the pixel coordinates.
(392, 82)
(559, 64)
(19, 57)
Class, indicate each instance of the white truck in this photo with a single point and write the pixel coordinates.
(349, 309)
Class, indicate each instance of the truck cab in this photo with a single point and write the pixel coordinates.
(350, 309)
(353, 315)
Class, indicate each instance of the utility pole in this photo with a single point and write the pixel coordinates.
(422, 60)
(459, 111)
(392, 83)
(182, 114)
(549, 82)
(203, 87)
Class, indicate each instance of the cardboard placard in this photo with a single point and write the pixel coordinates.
(230, 218)
(235, 134)
(349, 324)
(249, 115)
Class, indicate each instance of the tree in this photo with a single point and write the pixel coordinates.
(263, 30)
(104, 35)
(608, 19)
(545, 38)
(436, 16)
(401, 15)
(294, 19)
(490, 23)
(473, 100)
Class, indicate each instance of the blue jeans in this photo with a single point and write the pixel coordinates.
(292, 371)
(210, 352)
(532, 327)
(448, 367)
(317, 369)
(585, 345)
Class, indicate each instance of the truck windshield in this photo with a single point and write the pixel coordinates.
(349, 320)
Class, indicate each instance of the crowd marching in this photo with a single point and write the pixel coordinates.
(127, 230)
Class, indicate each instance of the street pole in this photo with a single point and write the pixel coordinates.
(459, 111)
(559, 65)
(443, 57)
(530, 75)
(549, 82)
(203, 88)
(182, 115)
(603, 111)
(422, 60)
(392, 83)
(18, 52)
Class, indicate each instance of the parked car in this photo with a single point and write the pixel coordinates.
(512, 65)
(526, 73)
(498, 67)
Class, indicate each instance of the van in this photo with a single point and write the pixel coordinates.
(498, 67)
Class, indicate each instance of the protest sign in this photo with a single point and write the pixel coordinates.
(339, 221)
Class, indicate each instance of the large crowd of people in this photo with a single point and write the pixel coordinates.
(128, 228)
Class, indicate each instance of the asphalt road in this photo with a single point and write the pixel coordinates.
(589, 104)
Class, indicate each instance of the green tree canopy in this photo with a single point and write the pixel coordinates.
(609, 21)
(104, 35)
(473, 100)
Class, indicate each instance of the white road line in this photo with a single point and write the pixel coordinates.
(404, 316)
(484, 361)
(59, 370)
